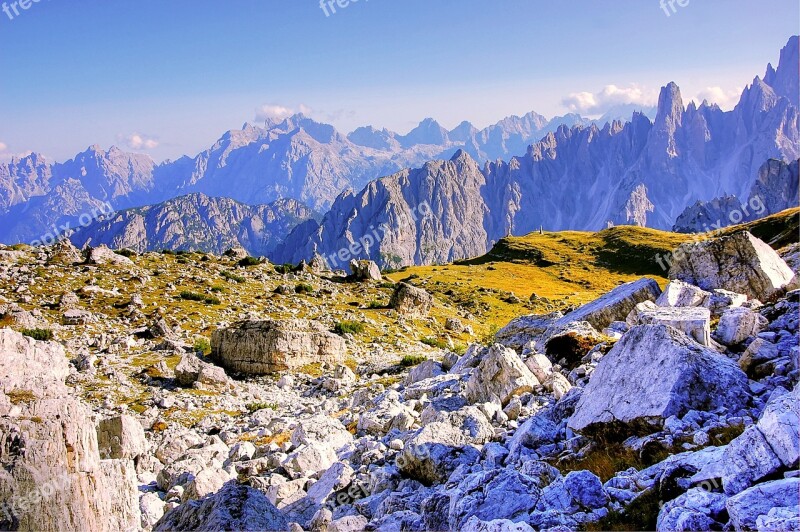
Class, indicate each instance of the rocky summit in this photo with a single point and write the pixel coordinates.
(191, 391)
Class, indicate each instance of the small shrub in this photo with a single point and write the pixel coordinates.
(167, 252)
(249, 261)
(217, 289)
(191, 296)
(375, 305)
(202, 346)
(488, 338)
(409, 361)
(129, 253)
(255, 407)
(39, 334)
(303, 288)
(435, 342)
(349, 327)
(233, 277)
(459, 349)
(284, 268)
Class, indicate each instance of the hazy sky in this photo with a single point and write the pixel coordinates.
(168, 77)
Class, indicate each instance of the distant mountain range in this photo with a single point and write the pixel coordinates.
(295, 158)
(519, 175)
(197, 222)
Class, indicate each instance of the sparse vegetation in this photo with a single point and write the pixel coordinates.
(233, 277)
(255, 407)
(202, 346)
(435, 342)
(18, 396)
(491, 332)
(409, 361)
(303, 288)
(249, 261)
(349, 327)
(192, 296)
(38, 334)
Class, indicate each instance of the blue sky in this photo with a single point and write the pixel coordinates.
(168, 77)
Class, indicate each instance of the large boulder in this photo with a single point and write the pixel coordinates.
(54, 477)
(615, 305)
(434, 452)
(500, 376)
(411, 301)
(695, 322)
(121, 437)
(263, 347)
(738, 324)
(234, 507)
(740, 263)
(524, 329)
(770, 446)
(653, 373)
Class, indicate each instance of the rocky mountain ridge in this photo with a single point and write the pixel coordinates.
(641, 173)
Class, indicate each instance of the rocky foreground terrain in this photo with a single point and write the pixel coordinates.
(194, 392)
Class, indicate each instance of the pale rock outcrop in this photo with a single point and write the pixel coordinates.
(500, 376)
(721, 300)
(740, 263)
(434, 452)
(121, 437)
(102, 255)
(748, 459)
(695, 322)
(263, 347)
(524, 329)
(615, 305)
(411, 301)
(365, 270)
(51, 449)
(747, 507)
(321, 429)
(680, 294)
(653, 373)
(697, 509)
(780, 424)
(738, 324)
(540, 366)
(234, 507)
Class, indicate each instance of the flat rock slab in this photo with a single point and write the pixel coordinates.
(263, 347)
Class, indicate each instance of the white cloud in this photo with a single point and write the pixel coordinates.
(6, 155)
(279, 112)
(139, 141)
(598, 103)
(726, 99)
